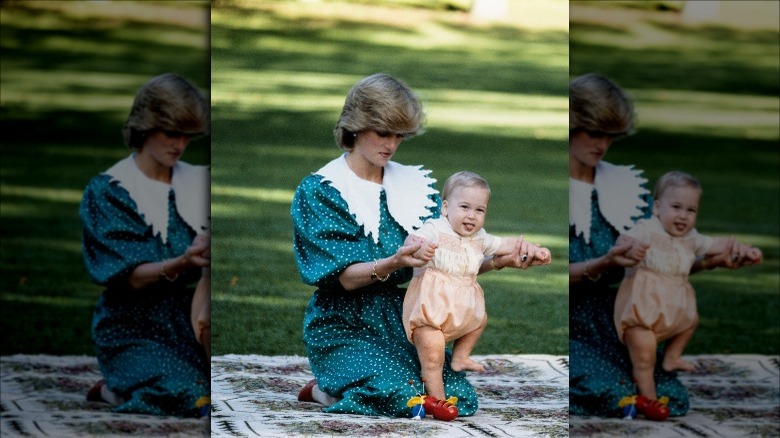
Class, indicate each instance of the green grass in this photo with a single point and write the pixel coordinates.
(68, 76)
(496, 104)
(495, 99)
(707, 104)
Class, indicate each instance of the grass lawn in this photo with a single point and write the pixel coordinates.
(707, 103)
(69, 73)
(495, 100)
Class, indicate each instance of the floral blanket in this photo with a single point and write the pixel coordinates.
(255, 396)
(519, 396)
(731, 396)
(45, 396)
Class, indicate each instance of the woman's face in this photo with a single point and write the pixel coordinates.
(587, 149)
(165, 147)
(377, 148)
(465, 209)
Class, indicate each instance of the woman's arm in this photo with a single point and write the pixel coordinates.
(197, 255)
(514, 259)
(358, 275)
(728, 253)
(534, 251)
(626, 252)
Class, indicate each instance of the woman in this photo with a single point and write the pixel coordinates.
(605, 200)
(351, 218)
(145, 223)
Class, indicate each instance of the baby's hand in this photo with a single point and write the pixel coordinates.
(542, 256)
(753, 256)
(203, 243)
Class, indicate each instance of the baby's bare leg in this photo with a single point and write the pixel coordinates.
(430, 349)
(461, 351)
(674, 348)
(641, 343)
(200, 311)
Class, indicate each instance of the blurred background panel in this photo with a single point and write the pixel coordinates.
(705, 80)
(493, 77)
(68, 76)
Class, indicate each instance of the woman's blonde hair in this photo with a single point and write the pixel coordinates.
(463, 179)
(380, 103)
(675, 179)
(599, 106)
(166, 103)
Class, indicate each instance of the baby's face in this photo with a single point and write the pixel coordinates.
(465, 209)
(677, 209)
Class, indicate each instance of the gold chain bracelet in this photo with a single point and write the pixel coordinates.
(375, 276)
(164, 274)
(585, 273)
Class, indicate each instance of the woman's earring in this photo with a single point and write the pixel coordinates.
(354, 134)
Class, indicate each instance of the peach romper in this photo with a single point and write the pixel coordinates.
(445, 294)
(656, 294)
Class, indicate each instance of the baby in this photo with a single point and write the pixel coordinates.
(655, 301)
(444, 300)
(200, 309)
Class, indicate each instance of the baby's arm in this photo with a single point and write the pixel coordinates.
(536, 252)
(750, 254)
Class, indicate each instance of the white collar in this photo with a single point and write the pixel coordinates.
(620, 193)
(190, 183)
(407, 189)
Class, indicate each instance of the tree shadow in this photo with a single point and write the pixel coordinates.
(67, 85)
(708, 59)
(324, 48)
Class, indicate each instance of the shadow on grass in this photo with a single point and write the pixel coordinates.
(708, 59)
(279, 85)
(67, 85)
(516, 59)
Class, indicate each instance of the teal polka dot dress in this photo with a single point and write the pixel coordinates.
(143, 338)
(600, 368)
(355, 340)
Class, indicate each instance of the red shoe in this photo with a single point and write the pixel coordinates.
(305, 394)
(93, 394)
(440, 409)
(652, 409)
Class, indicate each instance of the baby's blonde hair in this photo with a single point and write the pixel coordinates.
(463, 179)
(675, 179)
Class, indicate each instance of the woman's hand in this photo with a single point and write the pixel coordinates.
(359, 275)
(426, 248)
(415, 255)
(199, 253)
(743, 254)
(626, 252)
(734, 256)
(535, 256)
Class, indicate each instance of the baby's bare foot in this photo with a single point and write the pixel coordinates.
(466, 364)
(676, 363)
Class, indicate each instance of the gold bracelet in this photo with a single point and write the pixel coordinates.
(375, 276)
(164, 274)
(585, 273)
(494, 265)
